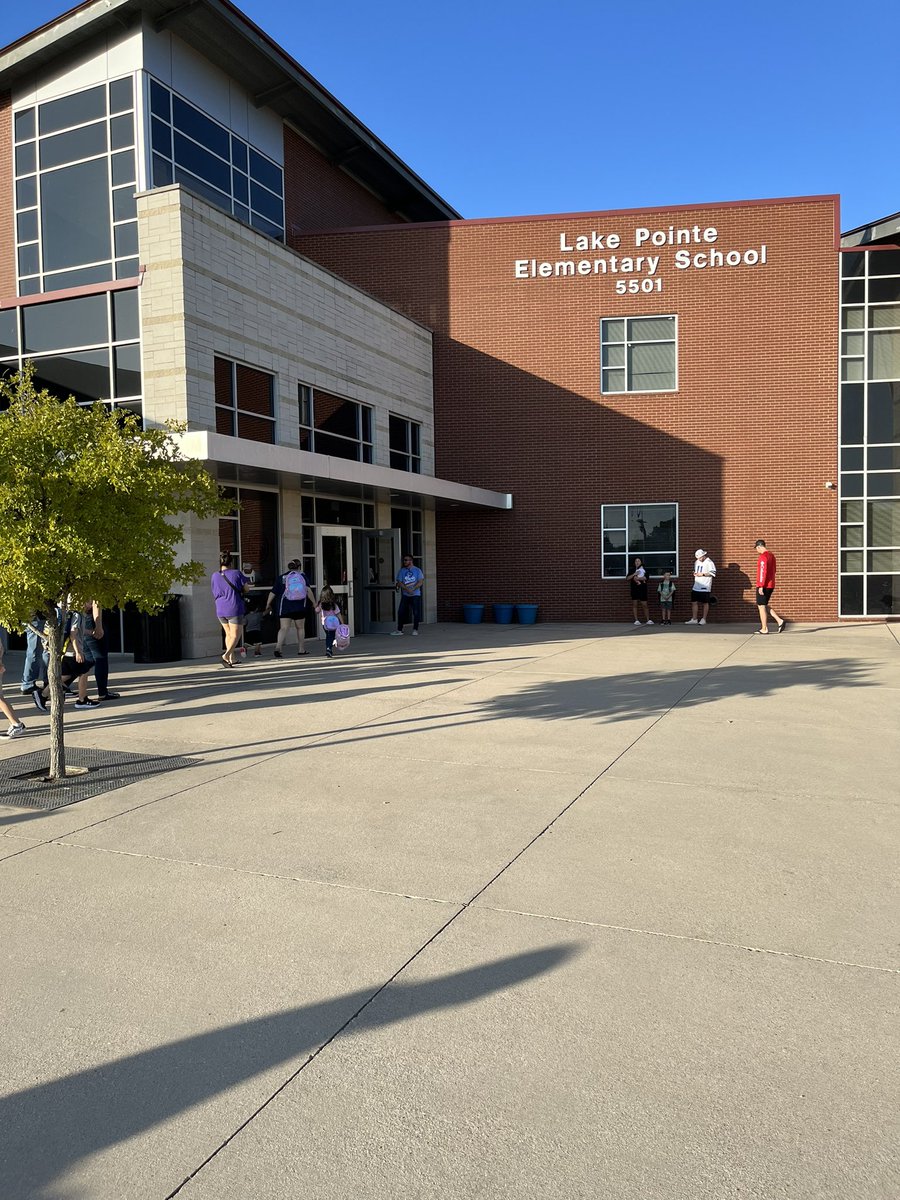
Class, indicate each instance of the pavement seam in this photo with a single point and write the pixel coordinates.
(689, 937)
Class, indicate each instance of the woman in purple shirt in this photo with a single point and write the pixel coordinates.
(229, 587)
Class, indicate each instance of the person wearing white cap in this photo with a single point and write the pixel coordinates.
(704, 574)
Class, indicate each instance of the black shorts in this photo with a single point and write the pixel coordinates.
(700, 597)
(639, 591)
(764, 595)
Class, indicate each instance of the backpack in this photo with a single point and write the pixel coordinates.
(295, 586)
(331, 621)
(342, 638)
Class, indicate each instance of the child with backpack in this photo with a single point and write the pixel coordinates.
(331, 623)
(666, 592)
(253, 623)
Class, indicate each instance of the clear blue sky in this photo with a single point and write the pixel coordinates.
(534, 106)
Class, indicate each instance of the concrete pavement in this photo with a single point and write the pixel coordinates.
(574, 911)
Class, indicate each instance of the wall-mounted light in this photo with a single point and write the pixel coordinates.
(829, 486)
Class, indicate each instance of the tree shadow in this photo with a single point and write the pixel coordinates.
(50, 1127)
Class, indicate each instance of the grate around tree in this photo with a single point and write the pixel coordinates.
(24, 783)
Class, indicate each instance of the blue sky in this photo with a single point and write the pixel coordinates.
(530, 106)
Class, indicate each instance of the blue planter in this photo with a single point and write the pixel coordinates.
(503, 614)
(472, 613)
(526, 613)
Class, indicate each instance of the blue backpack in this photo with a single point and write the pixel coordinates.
(295, 586)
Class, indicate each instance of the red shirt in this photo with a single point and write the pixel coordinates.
(765, 570)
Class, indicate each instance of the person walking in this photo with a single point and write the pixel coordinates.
(32, 670)
(331, 622)
(666, 592)
(290, 595)
(229, 587)
(765, 586)
(408, 582)
(638, 582)
(16, 727)
(89, 623)
(704, 574)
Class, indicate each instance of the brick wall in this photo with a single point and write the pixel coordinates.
(7, 209)
(744, 446)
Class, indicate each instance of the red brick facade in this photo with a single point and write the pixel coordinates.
(745, 445)
(7, 210)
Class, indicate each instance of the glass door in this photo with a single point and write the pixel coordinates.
(377, 554)
(334, 559)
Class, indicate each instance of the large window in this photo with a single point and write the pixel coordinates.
(334, 425)
(649, 531)
(245, 401)
(869, 494)
(405, 442)
(191, 148)
(638, 354)
(412, 532)
(86, 347)
(250, 535)
(76, 219)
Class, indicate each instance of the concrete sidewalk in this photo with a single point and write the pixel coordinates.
(503, 912)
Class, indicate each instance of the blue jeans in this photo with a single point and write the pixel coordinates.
(410, 609)
(95, 652)
(34, 658)
(330, 635)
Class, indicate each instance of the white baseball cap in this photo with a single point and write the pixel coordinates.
(699, 554)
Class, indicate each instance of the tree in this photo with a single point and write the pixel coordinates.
(90, 502)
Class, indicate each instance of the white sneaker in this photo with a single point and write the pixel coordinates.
(637, 622)
(702, 621)
(396, 633)
(692, 621)
(15, 730)
(415, 633)
(650, 622)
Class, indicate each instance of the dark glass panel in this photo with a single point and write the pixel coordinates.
(884, 483)
(242, 213)
(124, 204)
(265, 172)
(883, 523)
(26, 159)
(304, 401)
(369, 516)
(615, 565)
(305, 439)
(614, 541)
(27, 225)
(884, 262)
(614, 516)
(651, 527)
(127, 367)
(84, 375)
(397, 434)
(852, 412)
(333, 414)
(415, 439)
(264, 226)
(9, 338)
(73, 110)
(337, 447)
(86, 142)
(191, 121)
(884, 458)
(121, 95)
(26, 192)
(882, 291)
(160, 137)
(200, 162)
(851, 595)
(162, 172)
(851, 485)
(258, 520)
(365, 421)
(338, 512)
(240, 186)
(853, 291)
(255, 391)
(224, 421)
(307, 510)
(121, 132)
(127, 268)
(255, 429)
(658, 564)
(193, 184)
(884, 412)
(133, 406)
(853, 263)
(223, 381)
(126, 239)
(75, 215)
(29, 287)
(24, 124)
(126, 322)
(160, 100)
(851, 535)
(123, 167)
(239, 154)
(62, 323)
(28, 259)
(882, 595)
(399, 460)
(266, 204)
(365, 453)
(852, 459)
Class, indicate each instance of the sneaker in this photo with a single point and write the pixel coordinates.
(86, 703)
(415, 633)
(396, 633)
(702, 621)
(40, 702)
(16, 730)
(650, 622)
(636, 622)
(276, 654)
(108, 696)
(692, 621)
(329, 654)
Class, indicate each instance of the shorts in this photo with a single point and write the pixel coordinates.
(224, 621)
(253, 637)
(639, 591)
(665, 605)
(699, 597)
(764, 595)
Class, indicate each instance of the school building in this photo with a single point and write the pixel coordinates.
(193, 228)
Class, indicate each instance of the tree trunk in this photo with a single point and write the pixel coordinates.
(56, 625)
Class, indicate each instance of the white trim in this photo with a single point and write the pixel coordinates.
(628, 553)
(626, 343)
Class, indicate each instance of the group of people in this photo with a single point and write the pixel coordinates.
(701, 590)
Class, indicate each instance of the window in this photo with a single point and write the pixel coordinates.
(638, 354)
(250, 535)
(76, 220)
(412, 533)
(334, 425)
(245, 401)
(191, 148)
(647, 530)
(405, 444)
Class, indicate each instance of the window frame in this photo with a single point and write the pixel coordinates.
(631, 553)
(306, 406)
(235, 410)
(627, 343)
(412, 455)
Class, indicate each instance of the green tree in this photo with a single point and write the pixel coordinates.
(90, 504)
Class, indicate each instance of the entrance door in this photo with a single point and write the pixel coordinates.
(334, 559)
(378, 555)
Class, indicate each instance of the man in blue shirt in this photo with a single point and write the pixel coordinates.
(408, 582)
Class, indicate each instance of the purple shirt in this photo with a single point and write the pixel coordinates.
(229, 603)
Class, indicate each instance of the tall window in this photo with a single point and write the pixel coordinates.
(191, 148)
(76, 219)
(334, 425)
(647, 530)
(250, 534)
(869, 495)
(405, 444)
(638, 354)
(245, 401)
(412, 532)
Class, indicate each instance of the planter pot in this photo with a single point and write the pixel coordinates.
(526, 613)
(503, 614)
(472, 613)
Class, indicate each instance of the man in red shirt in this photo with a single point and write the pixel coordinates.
(765, 586)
